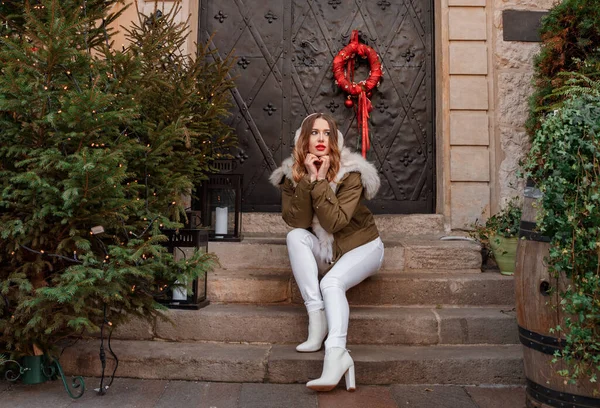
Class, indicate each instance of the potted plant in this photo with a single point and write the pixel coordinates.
(499, 235)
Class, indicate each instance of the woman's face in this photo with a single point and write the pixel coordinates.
(319, 138)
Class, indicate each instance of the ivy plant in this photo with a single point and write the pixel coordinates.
(564, 161)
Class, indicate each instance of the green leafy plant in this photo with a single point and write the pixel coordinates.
(504, 223)
(578, 83)
(565, 164)
(570, 43)
(92, 167)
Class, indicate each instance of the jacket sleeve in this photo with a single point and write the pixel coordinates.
(335, 210)
(296, 203)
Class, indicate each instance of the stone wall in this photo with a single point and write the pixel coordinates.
(513, 70)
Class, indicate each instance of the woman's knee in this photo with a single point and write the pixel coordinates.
(331, 282)
(298, 235)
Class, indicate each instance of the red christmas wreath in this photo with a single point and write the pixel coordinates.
(343, 72)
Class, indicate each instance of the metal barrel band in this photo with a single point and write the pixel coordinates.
(528, 231)
(539, 342)
(560, 399)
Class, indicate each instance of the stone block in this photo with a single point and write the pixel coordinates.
(468, 58)
(410, 224)
(478, 326)
(469, 128)
(468, 92)
(236, 323)
(514, 90)
(515, 145)
(469, 201)
(270, 223)
(419, 396)
(191, 393)
(408, 364)
(364, 396)
(469, 163)
(172, 361)
(374, 325)
(458, 3)
(123, 392)
(271, 254)
(526, 4)
(497, 397)
(467, 23)
(44, 395)
(423, 254)
(250, 287)
(287, 325)
(248, 254)
(394, 258)
(135, 329)
(430, 289)
(276, 395)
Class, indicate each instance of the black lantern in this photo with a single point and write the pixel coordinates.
(221, 206)
(182, 243)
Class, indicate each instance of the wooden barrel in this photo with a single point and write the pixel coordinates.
(537, 314)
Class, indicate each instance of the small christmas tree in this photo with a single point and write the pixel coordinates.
(97, 147)
(183, 101)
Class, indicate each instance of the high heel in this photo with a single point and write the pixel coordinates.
(350, 379)
(337, 363)
(317, 330)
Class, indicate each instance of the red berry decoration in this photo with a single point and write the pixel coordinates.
(343, 72)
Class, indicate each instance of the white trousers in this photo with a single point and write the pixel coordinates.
(351, 269)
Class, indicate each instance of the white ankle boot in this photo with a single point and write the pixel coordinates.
(317, 330)
(337, 363)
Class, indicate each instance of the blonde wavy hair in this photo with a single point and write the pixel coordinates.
(301, 148)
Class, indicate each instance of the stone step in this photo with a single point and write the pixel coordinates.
(409, 288)
(404, 224)
(423, 253)
(287, 324)
(375, 364)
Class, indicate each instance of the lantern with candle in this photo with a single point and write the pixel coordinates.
(182, 243)
(221, 206)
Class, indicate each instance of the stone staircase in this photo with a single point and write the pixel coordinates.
(429, 316)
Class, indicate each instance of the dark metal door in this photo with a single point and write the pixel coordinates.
(285, 50)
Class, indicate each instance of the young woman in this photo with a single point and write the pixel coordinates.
(322, 187)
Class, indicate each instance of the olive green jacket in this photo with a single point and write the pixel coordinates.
(334, 211)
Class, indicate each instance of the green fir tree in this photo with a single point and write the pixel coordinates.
(92, 165)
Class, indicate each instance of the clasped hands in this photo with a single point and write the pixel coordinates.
(317, 167)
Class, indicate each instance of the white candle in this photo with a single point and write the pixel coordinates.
(221, 220)
(179, 292)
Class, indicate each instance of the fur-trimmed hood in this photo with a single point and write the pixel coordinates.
(349, 162)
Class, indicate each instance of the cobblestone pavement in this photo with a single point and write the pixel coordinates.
(130, 393)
